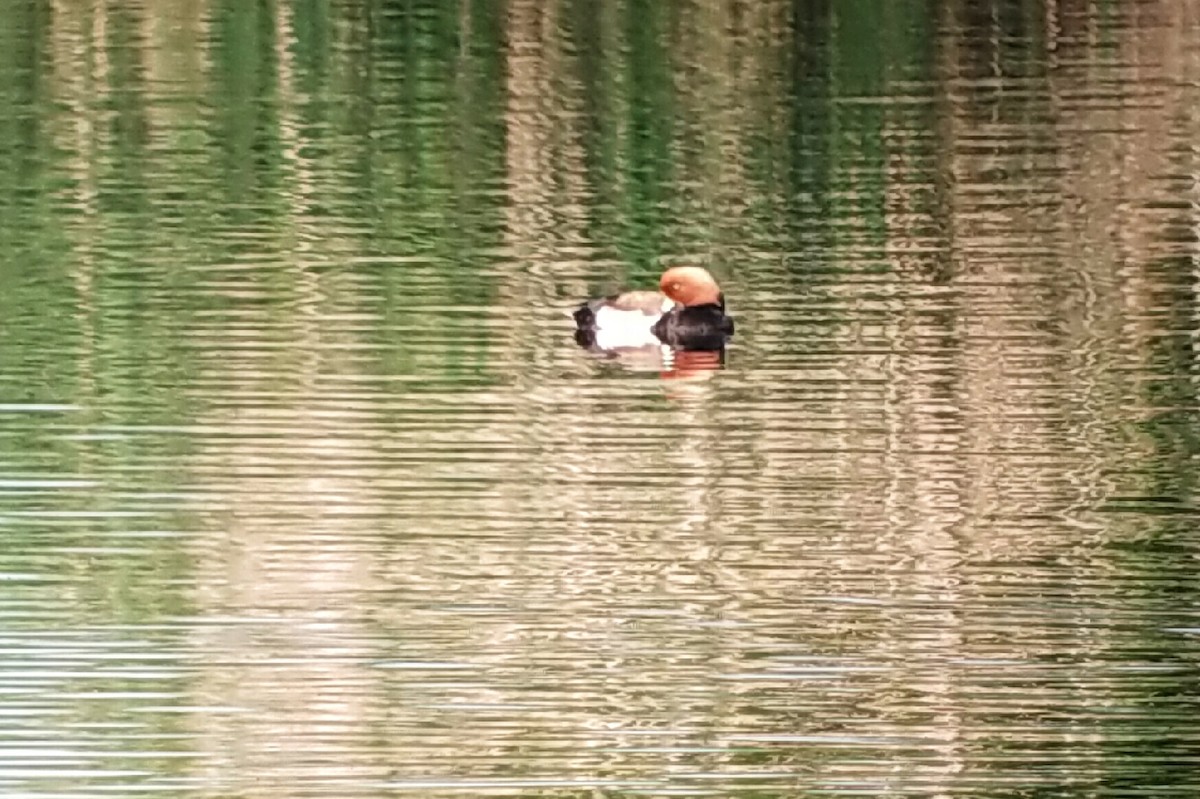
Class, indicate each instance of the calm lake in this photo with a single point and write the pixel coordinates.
(306, 489)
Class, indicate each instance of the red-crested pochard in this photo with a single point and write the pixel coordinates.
(686, 313)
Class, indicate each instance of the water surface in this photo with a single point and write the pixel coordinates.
(306, 490)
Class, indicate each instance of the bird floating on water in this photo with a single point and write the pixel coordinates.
(687, 313)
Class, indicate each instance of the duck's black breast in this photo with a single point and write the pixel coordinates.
(695, 327)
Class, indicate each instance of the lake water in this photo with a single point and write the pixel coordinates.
(307, 491)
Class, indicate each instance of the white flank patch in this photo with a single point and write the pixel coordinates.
(616, 329)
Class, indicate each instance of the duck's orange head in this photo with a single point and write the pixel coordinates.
(690, 285)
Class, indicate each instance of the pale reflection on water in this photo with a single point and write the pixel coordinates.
(306, 489)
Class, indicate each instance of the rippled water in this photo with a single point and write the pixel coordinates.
(306, 490)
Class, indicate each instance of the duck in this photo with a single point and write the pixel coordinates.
(687, 313)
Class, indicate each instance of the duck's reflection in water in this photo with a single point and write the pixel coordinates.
(693, 364)
(671, 364)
